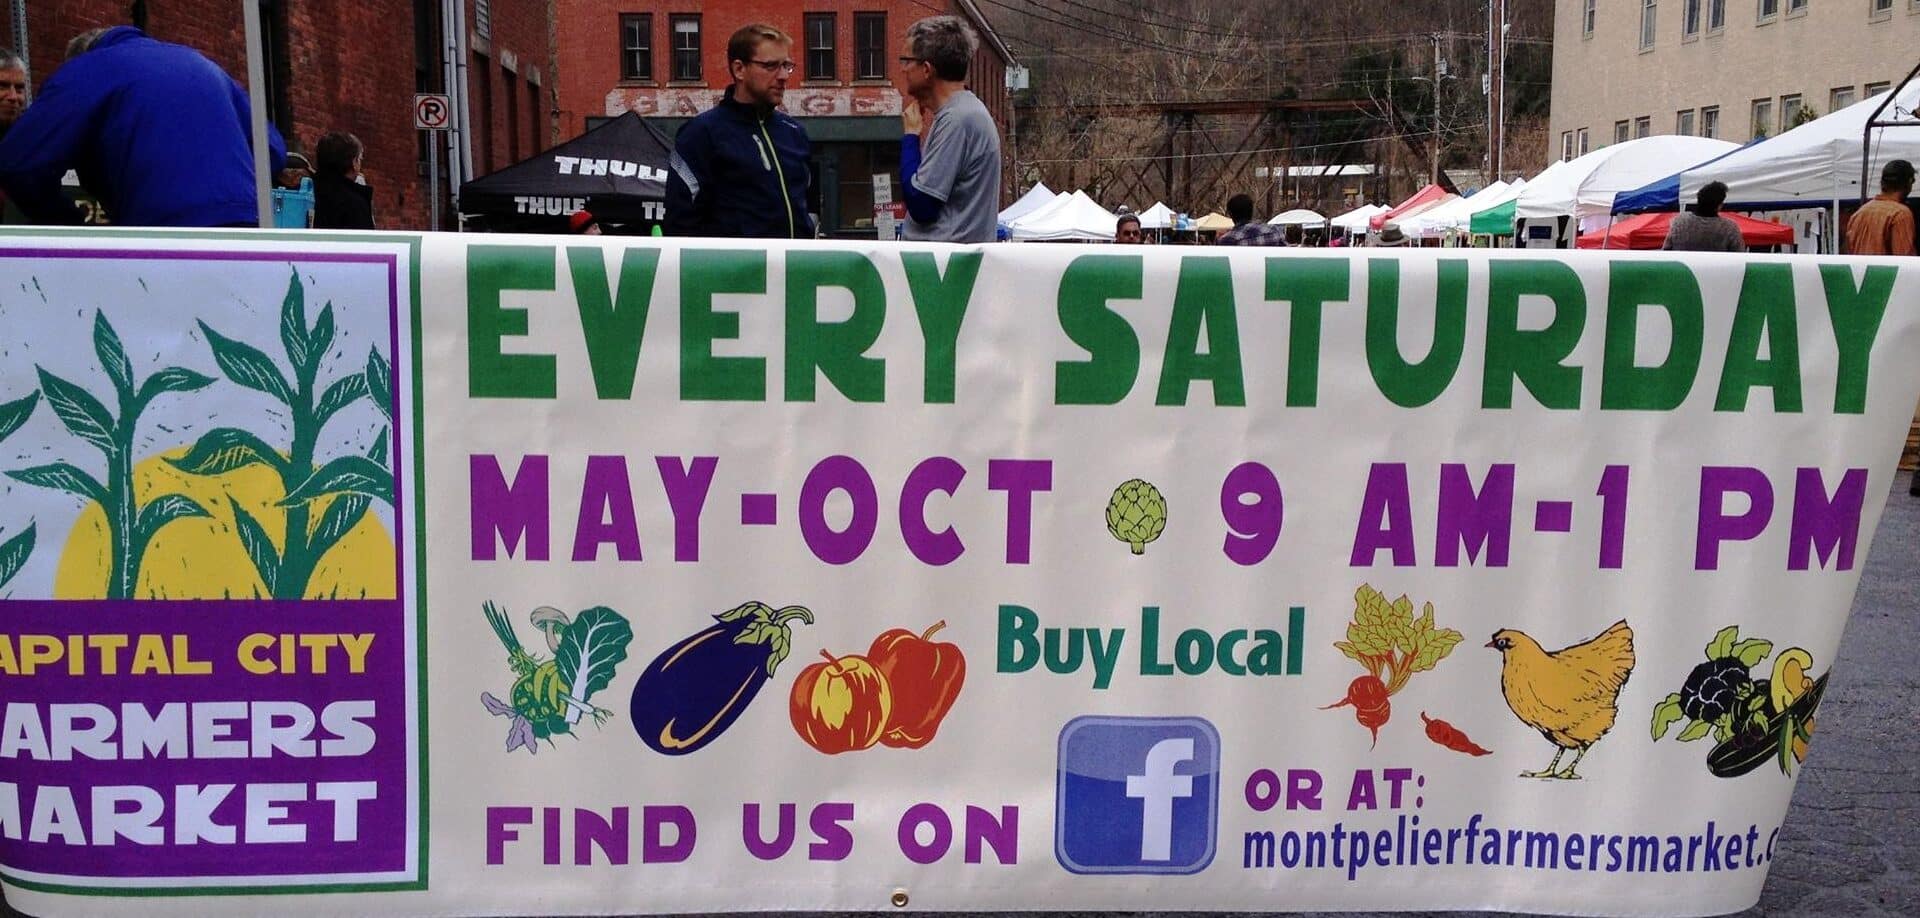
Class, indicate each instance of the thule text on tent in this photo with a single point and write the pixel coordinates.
(620, 167)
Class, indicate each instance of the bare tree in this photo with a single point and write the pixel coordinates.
(1109, 77)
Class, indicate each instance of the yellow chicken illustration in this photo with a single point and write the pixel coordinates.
(1570, 695)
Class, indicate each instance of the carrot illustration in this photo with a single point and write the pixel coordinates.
(1446, 735)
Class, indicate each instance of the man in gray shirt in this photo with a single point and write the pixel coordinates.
(949, 169)
(1704, 230)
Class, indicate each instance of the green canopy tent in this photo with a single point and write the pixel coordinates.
(1496, 220)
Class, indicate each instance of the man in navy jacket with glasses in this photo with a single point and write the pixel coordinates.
(741, 168)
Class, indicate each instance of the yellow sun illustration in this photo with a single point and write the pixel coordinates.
(203, 557)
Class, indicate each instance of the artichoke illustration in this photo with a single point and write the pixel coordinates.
(1136, 514)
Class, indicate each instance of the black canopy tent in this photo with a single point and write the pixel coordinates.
(617, 171)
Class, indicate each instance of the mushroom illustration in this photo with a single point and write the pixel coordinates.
(552, 622)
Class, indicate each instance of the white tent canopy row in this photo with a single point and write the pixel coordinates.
(1814, 164)
(1298, 217)
(1067, 217)
(1355, 221)
(1157, 217)
(1584, 187)
(1454, 215)
(1033, 200)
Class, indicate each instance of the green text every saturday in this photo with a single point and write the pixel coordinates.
(1762, 347)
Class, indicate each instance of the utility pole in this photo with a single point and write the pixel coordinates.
(1497, 86)
(1439, 66)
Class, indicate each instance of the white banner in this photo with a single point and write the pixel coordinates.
(645, 576)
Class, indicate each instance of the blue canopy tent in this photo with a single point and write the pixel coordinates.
(1662, 195)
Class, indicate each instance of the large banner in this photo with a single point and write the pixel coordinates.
(497, 575)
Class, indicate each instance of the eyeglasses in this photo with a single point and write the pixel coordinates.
(775, 66)
(905, 60)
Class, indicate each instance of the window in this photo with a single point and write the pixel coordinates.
(686, 46)
(1647, 8)
(535, 120)
(1762, 118)
(870, 46)
(1874, 89)
(1879, 8)
(426, 65)
(1683, 122)
(820, 57)
(512, 95)
(482, 77)
(1789, 112)
(483, 18)
(1716, 15)
(1566, 144)
(1796, 7)
(1710, 121)
(636, 46)
(1586, 20)
(1642, 126)
(1768, 10)
(1620, 132)
(1690, 19)
(1840, 98)
(1582, 145)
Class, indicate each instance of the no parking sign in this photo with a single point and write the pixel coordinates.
(431, 111)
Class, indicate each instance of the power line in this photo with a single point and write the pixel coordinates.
(1162, 157)
(1063, 18)
(1116, 14)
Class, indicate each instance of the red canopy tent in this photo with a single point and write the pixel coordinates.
(1649, 231)
(1426, 195)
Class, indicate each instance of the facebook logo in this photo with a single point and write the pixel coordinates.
(1137, 795)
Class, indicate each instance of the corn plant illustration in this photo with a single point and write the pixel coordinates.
(356, 477)
(131, 525)
(550, 697)
(15, 550)
(353, 481)
(286, 569)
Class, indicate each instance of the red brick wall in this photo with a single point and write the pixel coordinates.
(588, 38)
(521, 37)
(352, 69)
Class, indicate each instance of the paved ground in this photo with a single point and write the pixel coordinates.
(1851, 843)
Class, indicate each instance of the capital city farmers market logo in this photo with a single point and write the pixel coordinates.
(240, 512)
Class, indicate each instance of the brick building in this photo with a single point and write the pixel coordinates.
(666, 59)
(351, 65)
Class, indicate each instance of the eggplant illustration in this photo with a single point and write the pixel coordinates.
(1773, 741)
(693, 691)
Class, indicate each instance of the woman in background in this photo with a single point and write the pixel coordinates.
(341, 198)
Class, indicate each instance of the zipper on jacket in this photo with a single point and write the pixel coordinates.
(785, 198)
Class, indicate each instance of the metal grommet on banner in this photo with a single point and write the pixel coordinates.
(899, 898)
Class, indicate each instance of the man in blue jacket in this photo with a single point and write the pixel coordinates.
(740, 168)
(159, 134)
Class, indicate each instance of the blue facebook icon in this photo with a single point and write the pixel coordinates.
(1137, 795)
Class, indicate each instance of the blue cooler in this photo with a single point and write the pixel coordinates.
(293, 209)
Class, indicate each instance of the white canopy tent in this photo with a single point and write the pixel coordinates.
(1506, 198)
(1298, 217)
(1355, 221)
(1157, 217)
(1039, 196)
(1584, 187)
(1453, 215)
(1814, 164)
(1067, 217)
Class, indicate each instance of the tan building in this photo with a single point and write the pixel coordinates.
(1732, 69)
